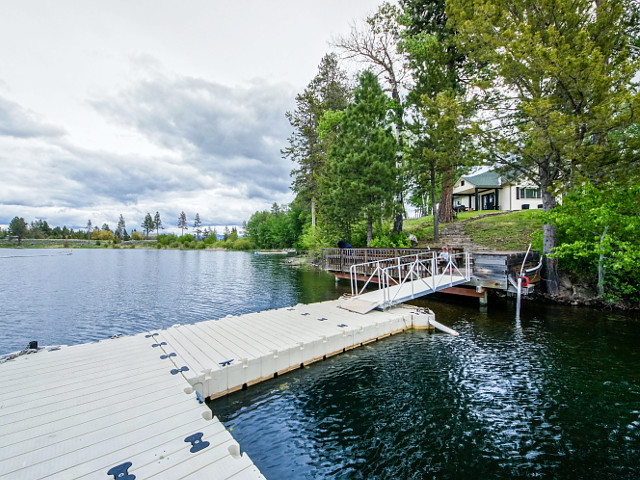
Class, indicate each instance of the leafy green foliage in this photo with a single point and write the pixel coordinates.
(600, 227)
(18, 228)
(279, 228)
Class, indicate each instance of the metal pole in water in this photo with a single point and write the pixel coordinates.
(518, 298)
(520, 283)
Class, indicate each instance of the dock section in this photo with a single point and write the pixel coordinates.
(132, 407)
(225, 355)
(108, 410)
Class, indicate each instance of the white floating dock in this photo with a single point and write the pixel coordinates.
(130, 406)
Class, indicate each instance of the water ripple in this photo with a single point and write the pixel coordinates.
(495, 402)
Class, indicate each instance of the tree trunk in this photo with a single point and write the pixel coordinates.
(549, 238)
(369, 230)
(313, 212)
(601, 265)
(397, 223)
(436, 234)
(445, 211)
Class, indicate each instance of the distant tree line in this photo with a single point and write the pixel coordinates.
(203, 237)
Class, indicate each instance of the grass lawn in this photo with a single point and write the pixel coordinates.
(512, 231)
(423, 227)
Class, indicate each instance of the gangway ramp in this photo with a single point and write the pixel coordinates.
(404, 278)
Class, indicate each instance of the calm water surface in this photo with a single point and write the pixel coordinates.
(555, 395)
(57, 298)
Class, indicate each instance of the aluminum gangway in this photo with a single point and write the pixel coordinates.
(404, 278)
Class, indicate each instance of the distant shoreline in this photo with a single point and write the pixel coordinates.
(28, 244)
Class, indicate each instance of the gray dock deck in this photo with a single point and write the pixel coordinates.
(105, 409)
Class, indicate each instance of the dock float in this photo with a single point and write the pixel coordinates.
(133, 407)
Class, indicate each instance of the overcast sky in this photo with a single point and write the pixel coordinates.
(135, 106)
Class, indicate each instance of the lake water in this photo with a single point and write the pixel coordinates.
(57, 298)
(555, 395)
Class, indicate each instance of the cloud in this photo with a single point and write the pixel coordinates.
(213, 149)
(18, 122)
(232, 135)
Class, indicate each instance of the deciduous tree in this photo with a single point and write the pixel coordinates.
(558, 78)
(18, 228)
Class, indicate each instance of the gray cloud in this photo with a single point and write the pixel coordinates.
(232, 134)
(16, 121)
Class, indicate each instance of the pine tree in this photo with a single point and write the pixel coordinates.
(182, 222)
(120, 228)
(361, 177)
(157, 224)
(196, 226)
(328, 91)
(147, 225)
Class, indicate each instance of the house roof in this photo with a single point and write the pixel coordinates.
(486, 179)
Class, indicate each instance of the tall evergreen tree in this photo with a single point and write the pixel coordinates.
(157, 223)
(439, 72)
(120, 228)
(196, 226)
(361, 176)
(375, 43)
(182, 222)
(147, 225)
(327, 91)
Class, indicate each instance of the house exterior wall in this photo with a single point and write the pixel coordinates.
(510, 197)
(518, 201)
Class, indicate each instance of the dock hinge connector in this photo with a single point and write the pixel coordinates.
(196, 442)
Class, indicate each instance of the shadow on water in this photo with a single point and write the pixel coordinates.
(557, 396)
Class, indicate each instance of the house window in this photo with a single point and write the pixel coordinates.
(525, 206)
(462, 183)
(529, 193)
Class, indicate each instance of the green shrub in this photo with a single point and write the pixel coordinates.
(243, 244)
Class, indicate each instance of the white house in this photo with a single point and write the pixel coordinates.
(490, 191)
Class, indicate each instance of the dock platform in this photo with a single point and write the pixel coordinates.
(132, 407)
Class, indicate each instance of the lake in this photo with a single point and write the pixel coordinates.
(553, 395)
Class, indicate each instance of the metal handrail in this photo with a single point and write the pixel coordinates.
(435, 280)
(412, 270)
(407, 269)
(353, 270)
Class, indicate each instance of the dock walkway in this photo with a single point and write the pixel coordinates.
(132, 406)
